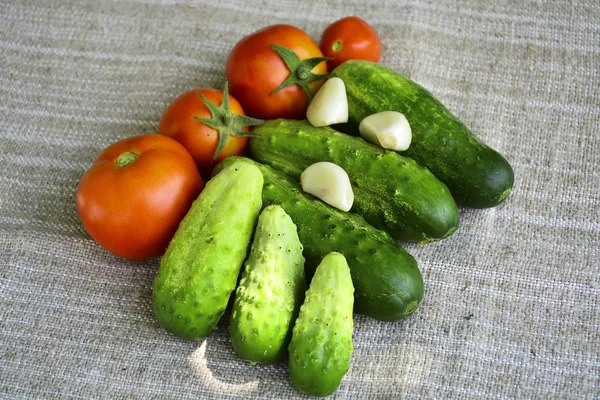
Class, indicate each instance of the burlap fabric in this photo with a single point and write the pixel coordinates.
(512, 299)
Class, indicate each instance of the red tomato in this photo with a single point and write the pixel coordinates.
(199, 139)
(254, 71)
(133, 197)
(350, 38)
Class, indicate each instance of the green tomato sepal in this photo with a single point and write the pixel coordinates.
(225, 122)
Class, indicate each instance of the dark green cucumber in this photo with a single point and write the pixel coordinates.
(199, 270)
(387, 282)
(477, 175)
(391, 192)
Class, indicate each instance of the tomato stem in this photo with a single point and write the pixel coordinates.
(126, 158)
(227, 119)
(302, 73)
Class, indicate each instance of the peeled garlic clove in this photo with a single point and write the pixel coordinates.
(330, 104)
(388, 129)
(330, 183)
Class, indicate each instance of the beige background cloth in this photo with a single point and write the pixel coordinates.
(511, 308)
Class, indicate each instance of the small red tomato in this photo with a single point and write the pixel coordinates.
(350, 38)
(273, 72)
(133, 197)
(209, 123)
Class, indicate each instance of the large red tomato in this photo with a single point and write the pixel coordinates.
(255, 70)
(350, 38)
(133, 197)
(204, 139)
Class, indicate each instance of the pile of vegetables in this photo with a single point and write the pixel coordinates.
(317, 161)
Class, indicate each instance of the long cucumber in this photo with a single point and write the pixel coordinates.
(477, 175)
(391, 192)
(387, 282)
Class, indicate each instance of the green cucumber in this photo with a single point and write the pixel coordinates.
(387, 282)
(476, 175)
(391, 192)
(321, 346)
(200, 267)
(271, 290)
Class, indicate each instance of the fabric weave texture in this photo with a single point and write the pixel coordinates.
(512, 302)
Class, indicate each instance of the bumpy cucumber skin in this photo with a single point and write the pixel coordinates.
(271, 290)
(477, 175)
(321, 346)
(199, 270)
(387, 282)
(391, 192)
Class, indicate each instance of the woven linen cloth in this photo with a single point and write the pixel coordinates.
(511, 306)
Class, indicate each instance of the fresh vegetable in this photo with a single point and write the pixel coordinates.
(209, 123)
(476, 175)
(274, 72)
(388, 284)
(199, 270)
(329, 106)
(133, 197)
(321, 346)
(270, 291)
(388, 129)
(391, 192)
(350, 38)
(328, 182)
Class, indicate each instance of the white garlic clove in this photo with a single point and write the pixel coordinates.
(388, 129)
(330, 104)
(330, 183)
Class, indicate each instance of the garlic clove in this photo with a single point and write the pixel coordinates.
(330, 183)
(330, 104)
(388, 129)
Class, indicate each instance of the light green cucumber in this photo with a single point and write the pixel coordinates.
(321, 346)
(199, 270)
(271, 290)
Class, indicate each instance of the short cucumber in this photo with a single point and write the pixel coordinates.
(391, 192)
(321, 346)
(200, 268)
(387, 282)
(271, 290)
(477, 175)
